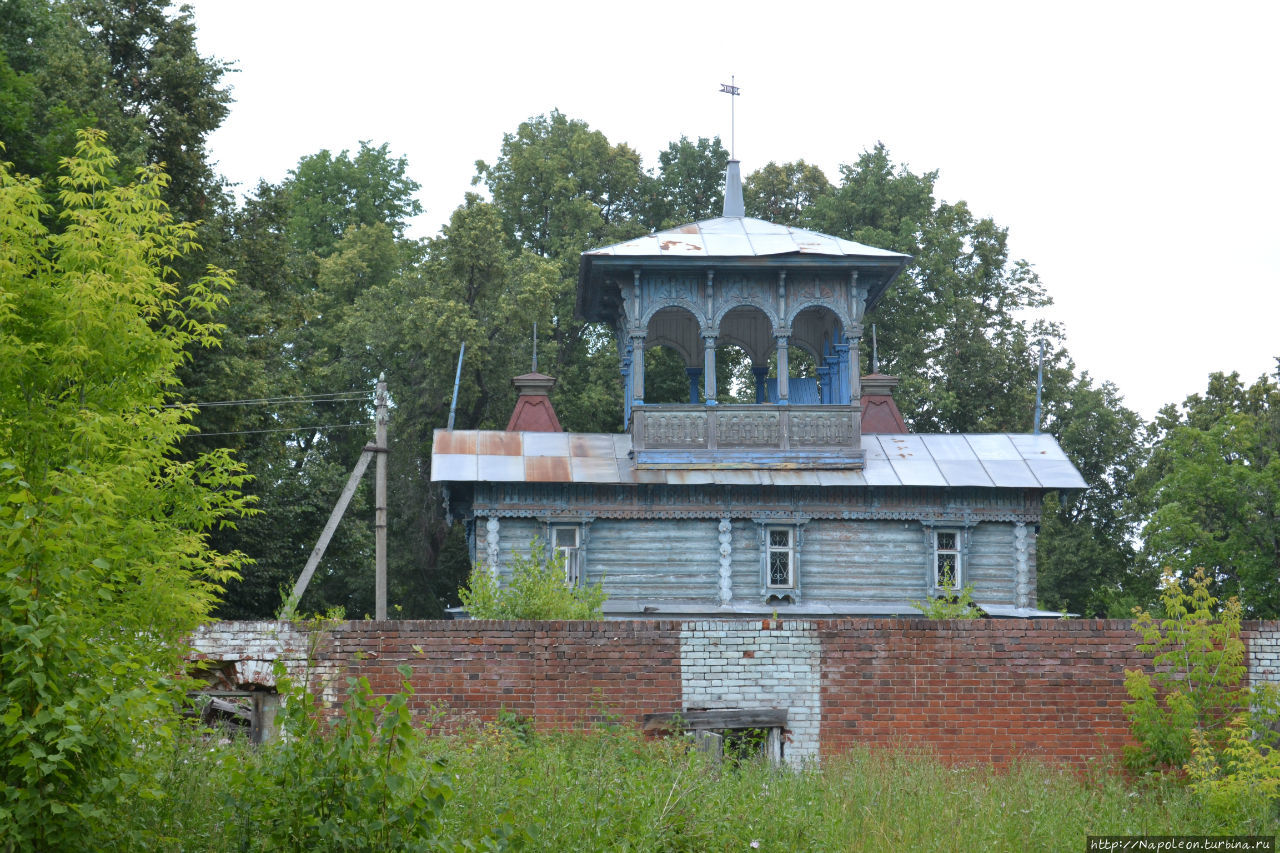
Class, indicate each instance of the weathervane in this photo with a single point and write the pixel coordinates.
(732, 91)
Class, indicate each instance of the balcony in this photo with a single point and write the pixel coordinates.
(751, 436)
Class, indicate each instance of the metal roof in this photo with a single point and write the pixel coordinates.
(740, 237)
(997, 460)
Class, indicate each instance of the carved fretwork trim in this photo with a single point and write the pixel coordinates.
(929, 506)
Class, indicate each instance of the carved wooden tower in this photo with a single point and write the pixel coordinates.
(766, 288)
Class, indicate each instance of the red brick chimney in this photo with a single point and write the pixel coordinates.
(534, 412)
(879, 413)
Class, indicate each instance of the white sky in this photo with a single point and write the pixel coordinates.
(1128, 147)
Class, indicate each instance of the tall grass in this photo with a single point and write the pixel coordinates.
(612, 789)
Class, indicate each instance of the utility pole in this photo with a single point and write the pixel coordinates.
(377, 449)
(380, 501)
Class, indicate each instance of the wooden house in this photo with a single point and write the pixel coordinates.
(812, 501)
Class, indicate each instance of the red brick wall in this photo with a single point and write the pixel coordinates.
(560, 674)
(990, 690)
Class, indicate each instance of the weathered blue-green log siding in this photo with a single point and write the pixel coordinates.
(866, 561)
(652, 558)
(748, 571)
(679, 559)
(990, 564)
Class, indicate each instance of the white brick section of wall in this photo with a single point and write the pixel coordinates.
(1264, 656)
(743, 665)
(252, 648)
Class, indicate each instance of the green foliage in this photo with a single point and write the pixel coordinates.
(105, 566)
(356, 781)
(536, 589)
(1086, 562)
(1241, 781)
(1212, 490)
(785, 194)
(1198, 687)
(957, 606)
(610, 789)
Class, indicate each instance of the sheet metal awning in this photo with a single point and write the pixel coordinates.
(999, 460)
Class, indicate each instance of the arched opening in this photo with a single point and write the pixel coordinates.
(672, 357)
(746, 340)
(821, 350)
(734, 378)
(666, 376)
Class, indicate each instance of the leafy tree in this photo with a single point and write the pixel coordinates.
(106, 565)
(1086, 562)
(472, 286)
(301, 279)
(129, 68)
(562, 188)
(1211, 494)
(785, 193)
(690, 183)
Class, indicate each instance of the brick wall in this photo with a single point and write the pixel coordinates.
(990, 690)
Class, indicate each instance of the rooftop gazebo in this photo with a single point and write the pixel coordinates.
(764, 288)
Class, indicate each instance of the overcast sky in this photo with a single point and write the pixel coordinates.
(1129, 147)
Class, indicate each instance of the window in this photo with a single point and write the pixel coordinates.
(565, 540)
(781, 565)
(947, 568)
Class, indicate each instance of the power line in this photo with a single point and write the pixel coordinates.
(264, 401)
(278, 429)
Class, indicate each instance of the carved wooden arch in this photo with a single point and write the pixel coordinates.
(769, 312)
(841, 315)
(699, 316)
(815, 346)
(759, 351)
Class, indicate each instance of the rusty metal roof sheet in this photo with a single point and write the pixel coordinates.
(1007, 461)
(740, 237)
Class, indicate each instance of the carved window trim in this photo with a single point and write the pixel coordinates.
(947, 542)
(575, 555)
(781, 593)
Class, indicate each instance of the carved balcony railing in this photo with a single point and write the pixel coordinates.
(752, 436)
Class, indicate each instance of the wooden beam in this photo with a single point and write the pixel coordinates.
(726, 718)
(325, 535)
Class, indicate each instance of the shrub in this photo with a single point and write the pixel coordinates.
(537, 590)
(959, 606)
(1198, 685)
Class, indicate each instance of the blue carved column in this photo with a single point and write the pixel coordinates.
(709, 367)
(844, 395)
(695, 379)
(784, 367)
(762, 376)
(626, 385)
(849, 362)
(637, 368)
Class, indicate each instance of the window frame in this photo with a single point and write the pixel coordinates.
(789, 549)
(794, 525)
(962, 530)
(572, 553)
(956, 550)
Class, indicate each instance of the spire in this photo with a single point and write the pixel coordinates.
(733, 205)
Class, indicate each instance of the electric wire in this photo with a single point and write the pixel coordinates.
(337, 396)
(278, 429)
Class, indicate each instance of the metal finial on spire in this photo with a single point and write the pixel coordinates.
(535, 346)
(732, 91)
